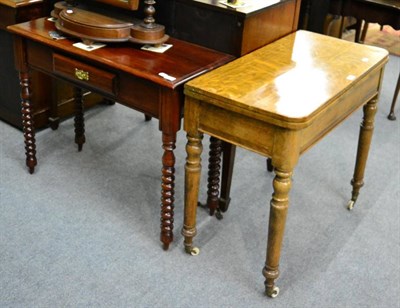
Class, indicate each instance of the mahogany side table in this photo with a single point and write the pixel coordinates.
(149, 82)
(279, 101)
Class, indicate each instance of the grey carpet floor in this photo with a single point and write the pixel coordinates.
(83, 230)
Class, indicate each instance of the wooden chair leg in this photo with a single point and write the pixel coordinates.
(341, 28)
(357, 37)
(391, 115)
(364, 32)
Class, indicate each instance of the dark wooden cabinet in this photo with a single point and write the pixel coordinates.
(313, 14)
(52, 99)
(235, 31)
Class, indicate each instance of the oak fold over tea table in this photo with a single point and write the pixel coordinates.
(278, 101)
(149, 82)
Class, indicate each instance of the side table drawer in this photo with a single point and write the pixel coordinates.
(86, 74)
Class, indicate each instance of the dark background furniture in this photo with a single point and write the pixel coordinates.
(234, 31)
(383, 12)
(313, 14)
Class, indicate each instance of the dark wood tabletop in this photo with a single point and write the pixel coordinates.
(183, 61)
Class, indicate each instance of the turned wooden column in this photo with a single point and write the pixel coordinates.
(79, 120)
(364, 142)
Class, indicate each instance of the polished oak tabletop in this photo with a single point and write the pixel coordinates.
(259, 81)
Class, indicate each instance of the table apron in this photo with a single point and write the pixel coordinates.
(126, 89)
(349, 102)
(229, 125)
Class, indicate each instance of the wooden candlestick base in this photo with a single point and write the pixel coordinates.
(142, 35)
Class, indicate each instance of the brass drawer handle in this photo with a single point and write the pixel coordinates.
(81, 74)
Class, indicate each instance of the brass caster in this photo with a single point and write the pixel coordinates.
(194, 251)
(350, 205)
(273, 293)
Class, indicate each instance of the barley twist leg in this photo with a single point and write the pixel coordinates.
(167, 190)
(214, 167)
(27, 121)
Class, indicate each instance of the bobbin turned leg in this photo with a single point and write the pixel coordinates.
(364, 142)
(79, 121)
(277, 219)
(214, 167)
(194, 148)
(167, 189)
(27, 121)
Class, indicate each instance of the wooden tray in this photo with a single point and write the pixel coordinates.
(95, 26)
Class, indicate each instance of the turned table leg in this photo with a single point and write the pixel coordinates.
(79, 121)
(277, 219)
(27, 121)
(391, 115)
(364, 142)
(167, 189)
(194, 148)
(214, 167)
(54, 119)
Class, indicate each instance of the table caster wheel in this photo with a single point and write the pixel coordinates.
(194, 251)
(350, 205)
(273, 293)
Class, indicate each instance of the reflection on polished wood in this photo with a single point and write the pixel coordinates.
(279, 101)
(122, 73)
